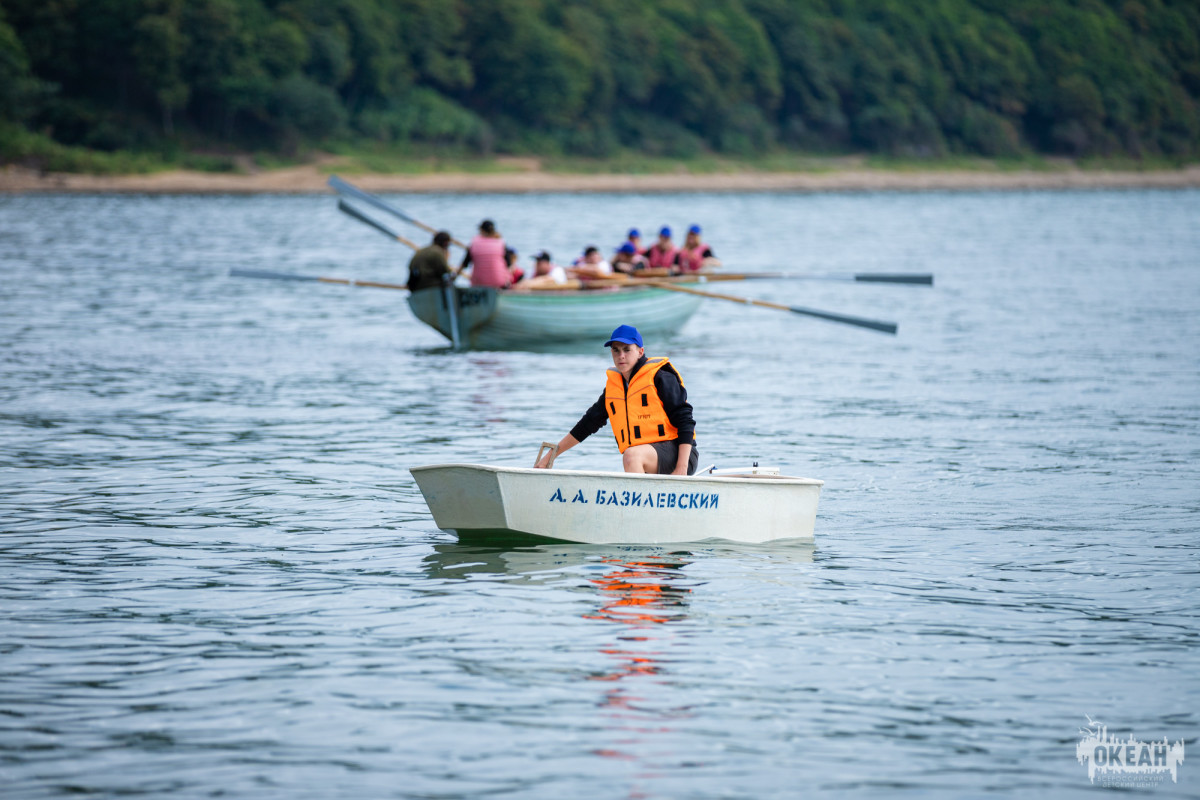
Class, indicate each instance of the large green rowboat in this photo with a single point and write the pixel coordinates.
(489, 319)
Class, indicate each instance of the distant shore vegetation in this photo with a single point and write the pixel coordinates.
(121, 86)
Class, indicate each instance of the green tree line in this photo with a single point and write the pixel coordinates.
(671, 78)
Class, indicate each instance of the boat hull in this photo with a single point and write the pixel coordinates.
(488, 319)
(477, 501)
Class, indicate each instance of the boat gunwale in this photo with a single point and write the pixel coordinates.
(743, 479)
(558, 293)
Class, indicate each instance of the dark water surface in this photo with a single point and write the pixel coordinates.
(220, 579)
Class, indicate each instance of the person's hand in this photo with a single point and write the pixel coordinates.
(553, 451)
(682, 471)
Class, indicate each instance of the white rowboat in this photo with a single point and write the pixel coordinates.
(480, 501)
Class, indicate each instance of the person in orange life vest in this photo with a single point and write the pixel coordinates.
(486, 252)
(695, 254)
(662, 254)
(646, 404)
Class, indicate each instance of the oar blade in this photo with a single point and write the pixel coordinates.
(912, 279)
(343, 187)
(353, 191)
(894, 277)
(845, 319)
(346, 208)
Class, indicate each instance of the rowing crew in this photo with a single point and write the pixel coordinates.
(693, 256)
(493, 264)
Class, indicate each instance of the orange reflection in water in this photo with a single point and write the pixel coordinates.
(641, 596)
(641, 593)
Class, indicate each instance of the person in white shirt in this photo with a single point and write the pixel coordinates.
(545, 273)
(592, 265)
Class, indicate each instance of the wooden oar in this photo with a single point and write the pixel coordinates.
(875, 325)
(346, 188)
(914, 279)
(287, 276)
(346, 208)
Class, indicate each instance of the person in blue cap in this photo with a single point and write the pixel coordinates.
(628, 260)
(694, 255)
(646, 404)
(662, 254)
(634, 237)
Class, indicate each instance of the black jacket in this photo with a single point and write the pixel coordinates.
(670, 391)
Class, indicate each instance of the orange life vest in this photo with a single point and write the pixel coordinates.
(636, 414)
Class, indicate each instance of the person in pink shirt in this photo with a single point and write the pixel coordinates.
(662, 254)
(487, 255)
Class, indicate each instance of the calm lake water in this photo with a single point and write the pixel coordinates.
(220, 579)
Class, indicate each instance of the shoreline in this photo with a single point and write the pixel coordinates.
(309, 179)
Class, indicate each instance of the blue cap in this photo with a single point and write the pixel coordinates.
(627, 248)
(665, 232)
(694, 229)
(626, 334)
(634, 234)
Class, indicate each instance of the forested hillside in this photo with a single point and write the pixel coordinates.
(663, 77)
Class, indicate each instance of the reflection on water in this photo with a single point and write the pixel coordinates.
(522, 563)
(491, 372)
(639, 596)
(628, 581)
(642, 593)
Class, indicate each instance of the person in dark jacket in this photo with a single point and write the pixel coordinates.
(429, 265)
(647, 406)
